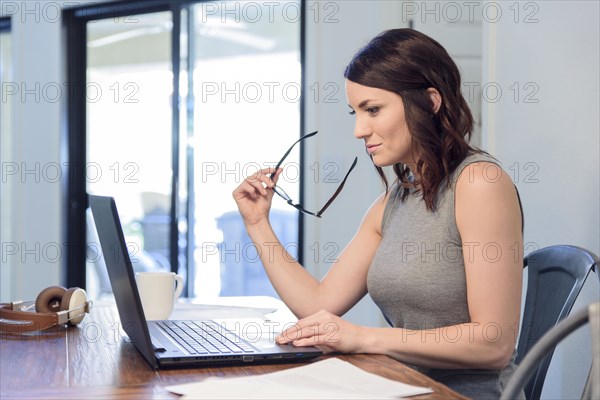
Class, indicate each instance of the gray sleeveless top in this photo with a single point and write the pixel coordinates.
(417, 278)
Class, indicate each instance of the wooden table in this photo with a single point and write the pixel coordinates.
(96, 360)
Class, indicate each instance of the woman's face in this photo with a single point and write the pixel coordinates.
(380, 123)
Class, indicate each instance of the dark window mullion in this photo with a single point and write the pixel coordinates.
(76, 204)
(302, 125)
(175, 103)
(119, 9)
(5, 24)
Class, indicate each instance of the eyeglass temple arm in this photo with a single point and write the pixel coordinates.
(290, 149)
(339, 189)
(302, 209)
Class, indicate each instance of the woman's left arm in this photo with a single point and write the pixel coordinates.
(488, 218)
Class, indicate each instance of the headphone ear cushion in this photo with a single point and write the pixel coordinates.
(50, 299)
(74, 298)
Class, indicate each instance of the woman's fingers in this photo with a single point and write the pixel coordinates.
(320, 328)
(320, 341)
(246, 189)
(257, 184)
(275, 177)
(326, 331)
(314, 335)
(253, 196)
(262, 179)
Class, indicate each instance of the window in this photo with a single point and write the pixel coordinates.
(173, 103)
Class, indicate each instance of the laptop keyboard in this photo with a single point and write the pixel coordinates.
(202, 338)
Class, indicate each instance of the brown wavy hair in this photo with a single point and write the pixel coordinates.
(407, 62)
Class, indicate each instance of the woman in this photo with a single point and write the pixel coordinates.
(440, 251)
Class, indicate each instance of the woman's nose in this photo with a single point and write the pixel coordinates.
(361, 130)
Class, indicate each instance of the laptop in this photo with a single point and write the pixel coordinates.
(168, 343)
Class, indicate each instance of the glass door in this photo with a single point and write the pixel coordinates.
(129, 134)
(182, 100)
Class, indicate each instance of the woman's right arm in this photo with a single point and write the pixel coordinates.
(346, 281)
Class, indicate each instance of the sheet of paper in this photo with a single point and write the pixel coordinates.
(328, 379)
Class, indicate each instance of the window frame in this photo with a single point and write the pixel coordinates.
(5, 24)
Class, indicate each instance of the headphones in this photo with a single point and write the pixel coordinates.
(54, 306)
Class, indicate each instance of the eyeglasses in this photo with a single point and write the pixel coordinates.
(289, 200)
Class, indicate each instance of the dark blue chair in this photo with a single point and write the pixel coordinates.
(556, 275)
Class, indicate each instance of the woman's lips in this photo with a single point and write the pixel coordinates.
(372, 147)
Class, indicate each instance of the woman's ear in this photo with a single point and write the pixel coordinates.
(436, 99)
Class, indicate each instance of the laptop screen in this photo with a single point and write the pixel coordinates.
(120, 272)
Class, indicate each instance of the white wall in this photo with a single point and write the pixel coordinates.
(459, 31)
(30, 260)
(552, 143)
(33, 247)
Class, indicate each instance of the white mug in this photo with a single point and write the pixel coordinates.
(158, 292)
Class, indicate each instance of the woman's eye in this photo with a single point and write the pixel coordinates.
(351, 112)
(372, 110)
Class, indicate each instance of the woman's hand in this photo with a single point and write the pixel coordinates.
(328, 332)
(254, 195)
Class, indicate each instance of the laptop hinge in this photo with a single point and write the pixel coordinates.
(158, 348)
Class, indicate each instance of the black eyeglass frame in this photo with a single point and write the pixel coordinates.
(287, 197)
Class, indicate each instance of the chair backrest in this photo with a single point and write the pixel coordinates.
(556, 275)
(545, 346)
